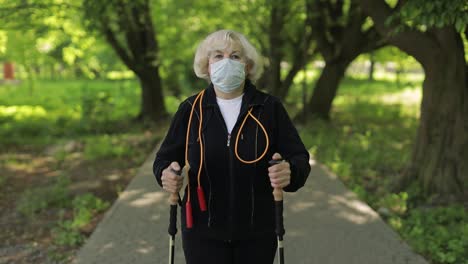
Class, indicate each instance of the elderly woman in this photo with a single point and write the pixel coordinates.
(225, 137)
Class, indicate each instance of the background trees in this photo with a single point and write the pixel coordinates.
(431, 32)
(156, 40)
(342, 34)
(128, 28)
(88, 73)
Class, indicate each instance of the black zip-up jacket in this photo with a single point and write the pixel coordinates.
(238, 196)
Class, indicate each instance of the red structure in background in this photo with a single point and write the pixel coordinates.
(8, 71)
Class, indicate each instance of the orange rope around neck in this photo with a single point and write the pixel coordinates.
(200, 138)
(187, 165)
(238, 134)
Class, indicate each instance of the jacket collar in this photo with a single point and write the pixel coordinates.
(248, 100)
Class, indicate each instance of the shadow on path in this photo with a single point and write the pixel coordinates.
(324, 222)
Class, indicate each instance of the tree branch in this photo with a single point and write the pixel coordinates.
(110, 36)
(407, 41)
(129, 28)
(372, 41)
(316, 22)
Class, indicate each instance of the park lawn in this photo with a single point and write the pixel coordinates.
(367, 144)
(73, 144)
(67, 150)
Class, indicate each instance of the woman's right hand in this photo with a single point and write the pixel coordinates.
(171, 181)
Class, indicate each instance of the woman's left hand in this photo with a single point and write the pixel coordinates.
(280, 174)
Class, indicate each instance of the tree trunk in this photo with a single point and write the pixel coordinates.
(325, 89)
(339, 45)
(278, 12)
(296, 66)
(371, 67)
(128, 28)
(152, 100)
(440, 154)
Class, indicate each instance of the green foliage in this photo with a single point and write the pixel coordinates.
(367, 145)
(440, 232)
(85, 207)
(40, 198)
(50, 42)
(396, 202)
(392, 54)
(24, 120)
(96, 108)
(66, 235)
(106, 146)
(356, 145)
(64, 109)
(438, 13)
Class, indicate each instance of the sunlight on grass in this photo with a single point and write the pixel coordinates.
(368, 144)
(21, 112)
(119, 75)
(405, 97)
(370, 136)
(107, 146)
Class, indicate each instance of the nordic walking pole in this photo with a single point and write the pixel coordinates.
(174, 199)
(278, 196)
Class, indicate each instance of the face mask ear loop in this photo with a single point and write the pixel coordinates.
(267, 144)
(188, 204)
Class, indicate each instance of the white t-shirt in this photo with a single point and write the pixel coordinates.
(230, 109)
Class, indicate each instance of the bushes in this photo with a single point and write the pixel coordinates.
(107, 146)
(76, 128)
(66, 109)
(367, 145)
(440, 232)
(85, 207)
(39, 198)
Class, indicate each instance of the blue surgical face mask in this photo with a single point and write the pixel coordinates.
(227, 75)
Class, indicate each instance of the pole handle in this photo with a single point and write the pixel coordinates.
(174, 197)
(278, 197)
(277, 192)
(173, 201)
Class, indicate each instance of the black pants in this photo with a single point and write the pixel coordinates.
(204, 251)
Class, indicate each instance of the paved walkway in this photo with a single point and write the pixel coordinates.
(325, 223)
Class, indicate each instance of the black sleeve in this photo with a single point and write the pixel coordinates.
(173, 146)
(291, 148)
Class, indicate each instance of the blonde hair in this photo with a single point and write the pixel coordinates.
(220, 40)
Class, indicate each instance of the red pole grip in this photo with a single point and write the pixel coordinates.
(201, 199)
(188, 215)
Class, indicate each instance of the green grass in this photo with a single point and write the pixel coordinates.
(68, 109)
(368, 137)
(78, 122)
(85, 207)
(368, 144)
(67, 233)
(39, 198)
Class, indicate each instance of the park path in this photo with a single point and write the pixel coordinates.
(325, 223)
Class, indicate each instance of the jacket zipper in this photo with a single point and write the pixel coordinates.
(231, 189)
(252, 179)
(231, 177)
(231, 173)
(231, 170)
(209, 180)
